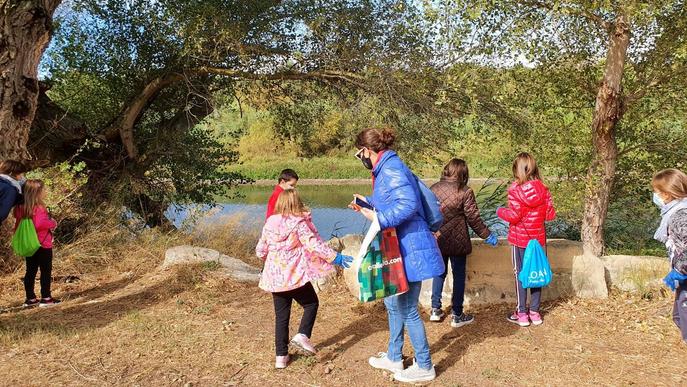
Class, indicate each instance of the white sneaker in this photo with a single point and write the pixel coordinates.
(382, 362)
(436, 315)
(415, 374)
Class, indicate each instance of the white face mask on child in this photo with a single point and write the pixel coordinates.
(658, 201)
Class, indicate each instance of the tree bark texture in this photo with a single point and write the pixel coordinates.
(25, 28)
(608, 112)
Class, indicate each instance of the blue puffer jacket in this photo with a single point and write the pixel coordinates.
(396, 197)
(10, 196)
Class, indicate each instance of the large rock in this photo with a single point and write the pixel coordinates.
(233, 267)
(635, 274)
(490, 276)
(589, 277)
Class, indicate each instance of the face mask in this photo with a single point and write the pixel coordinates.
(367, 161)
(658, 201)
(22, 180)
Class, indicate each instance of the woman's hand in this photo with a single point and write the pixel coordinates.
(354, 206)
(368, 213)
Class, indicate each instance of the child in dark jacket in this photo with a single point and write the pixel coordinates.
(288, 179)
(529, 207)
(35, 209)
(460, 211)
(670, 195)
(11, 181)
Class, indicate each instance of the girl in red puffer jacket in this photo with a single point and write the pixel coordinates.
(529, 206)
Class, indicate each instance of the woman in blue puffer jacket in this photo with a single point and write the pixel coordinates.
(397, 203)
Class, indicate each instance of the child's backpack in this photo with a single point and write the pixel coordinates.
(536, 271)
(430, 205)
(25, 240)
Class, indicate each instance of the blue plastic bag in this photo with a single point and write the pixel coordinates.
(430, 206)
(536, 271)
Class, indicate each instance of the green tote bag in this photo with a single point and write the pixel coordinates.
(25, 240)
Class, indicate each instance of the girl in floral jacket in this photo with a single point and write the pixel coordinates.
(294, 255)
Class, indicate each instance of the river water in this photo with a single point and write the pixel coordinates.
(328, 203)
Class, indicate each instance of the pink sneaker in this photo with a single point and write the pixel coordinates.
(536, 318)
(281, 362)
(519, 318)
(303, 345)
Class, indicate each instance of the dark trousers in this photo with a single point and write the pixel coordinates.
(517, 255)
(41, 260)
(306, 297)
(680, 310)
(458, 268)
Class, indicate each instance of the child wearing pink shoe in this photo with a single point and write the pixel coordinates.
(294, 255)
(529, 207)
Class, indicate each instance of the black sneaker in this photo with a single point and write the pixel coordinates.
(30, 303)
(463, 319)
(46, 302)
(436, 315)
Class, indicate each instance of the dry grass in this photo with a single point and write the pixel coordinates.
(228, 236)
(108, 248)
(190, 325)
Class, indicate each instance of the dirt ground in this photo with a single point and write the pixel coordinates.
(190, 327)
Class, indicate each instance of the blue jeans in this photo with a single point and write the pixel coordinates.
(458, 268)
(403, 313)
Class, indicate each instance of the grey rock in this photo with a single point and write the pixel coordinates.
(230, 266)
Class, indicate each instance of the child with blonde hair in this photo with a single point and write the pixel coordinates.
(529, 207)
(34, 208)
(670, 195)
(294, 254)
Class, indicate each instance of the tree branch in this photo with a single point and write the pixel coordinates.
(591, 16)
(123, 126)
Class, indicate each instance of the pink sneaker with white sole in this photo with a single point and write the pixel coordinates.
(281, 362)
(303, 345)
(536, 318)
(521, 319)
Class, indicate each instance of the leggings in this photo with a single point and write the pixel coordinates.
(517, 255)
(42, 260)
(306, 297)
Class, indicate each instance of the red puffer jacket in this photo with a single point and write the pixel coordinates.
(529, 206)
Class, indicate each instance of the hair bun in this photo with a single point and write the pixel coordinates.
(388, 137)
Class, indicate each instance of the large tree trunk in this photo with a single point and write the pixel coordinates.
(607, 113)
(55, 134)
(24, 34)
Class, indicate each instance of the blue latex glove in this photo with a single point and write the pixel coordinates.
(492, 240)
(343, 260)
(674, 279)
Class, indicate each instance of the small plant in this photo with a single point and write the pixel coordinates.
(642, 277)
(492, 373)
(211, 266)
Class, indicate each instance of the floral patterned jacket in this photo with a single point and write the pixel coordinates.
(294, 253)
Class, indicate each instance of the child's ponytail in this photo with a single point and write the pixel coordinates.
(33, 197)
